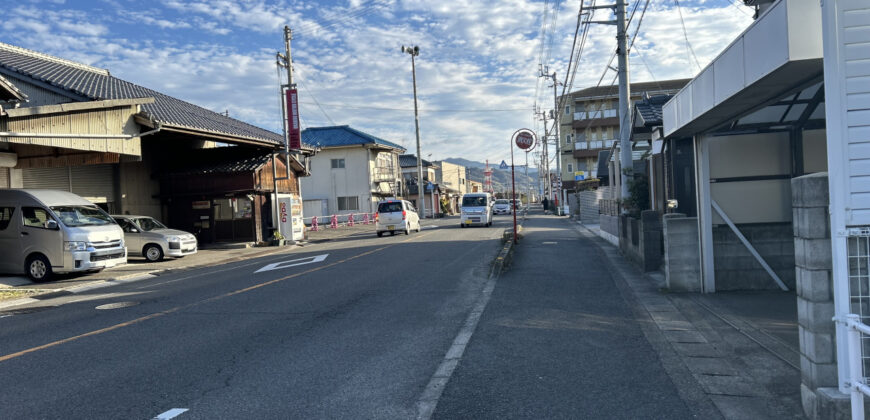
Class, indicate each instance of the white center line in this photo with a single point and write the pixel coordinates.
(175, 412)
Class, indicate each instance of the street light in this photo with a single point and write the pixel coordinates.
(421, 185)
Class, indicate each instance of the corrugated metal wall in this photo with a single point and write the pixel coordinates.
(4, 178)
(95, 183)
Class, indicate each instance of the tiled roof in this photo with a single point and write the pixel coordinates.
(408, 161)
(650, 109)
(342, 135)
(98, 84)
(636, 88)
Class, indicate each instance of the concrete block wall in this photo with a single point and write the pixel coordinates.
(589, 203)
(737, 269)
(814, 284)
(641, 239)
(681, 253)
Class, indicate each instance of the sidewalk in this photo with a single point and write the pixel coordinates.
(575, 331)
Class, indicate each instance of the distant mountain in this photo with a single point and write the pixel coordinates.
(501, 179)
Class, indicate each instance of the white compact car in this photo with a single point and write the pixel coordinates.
(147, 237)
(396, 216)
(502, 206)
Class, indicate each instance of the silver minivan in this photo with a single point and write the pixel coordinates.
(47, 231)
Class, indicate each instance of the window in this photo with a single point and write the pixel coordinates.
(35, 216)
(348, 203)
(567, 109)
(567, 139)
(6, 216)
(388, 207)
(570, 168)
(75, 216)
(336, 163)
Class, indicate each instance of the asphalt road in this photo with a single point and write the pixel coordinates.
(357, 334)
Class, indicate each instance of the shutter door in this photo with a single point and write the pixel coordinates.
(4, 177)
(49, 178)
(96, 183)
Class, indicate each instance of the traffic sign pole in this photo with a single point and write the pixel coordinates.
(524, 138)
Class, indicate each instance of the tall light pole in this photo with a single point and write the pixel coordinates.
(421, 184)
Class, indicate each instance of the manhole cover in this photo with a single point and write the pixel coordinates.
(117, 305)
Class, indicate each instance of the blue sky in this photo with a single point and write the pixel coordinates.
(477, 69)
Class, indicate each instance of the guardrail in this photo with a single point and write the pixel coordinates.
(336, 221)
(856, 332)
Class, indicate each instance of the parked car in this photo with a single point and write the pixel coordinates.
(502, 206)
(396, 216)
(476, 209)
(149, 238)
(43, 232)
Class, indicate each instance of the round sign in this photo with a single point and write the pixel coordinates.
(525, 139)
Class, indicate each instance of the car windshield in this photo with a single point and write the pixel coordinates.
(391, 207)
(473, 201)
(501, 202)
(148, 224)
(75, 216)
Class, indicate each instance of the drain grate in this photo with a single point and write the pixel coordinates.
(117, 305)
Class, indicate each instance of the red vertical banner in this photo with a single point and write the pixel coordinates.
(294, 133)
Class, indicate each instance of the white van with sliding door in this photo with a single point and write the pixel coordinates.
(476, 209)
(43, 232)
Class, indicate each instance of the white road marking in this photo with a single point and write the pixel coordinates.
(549, 243)
(429, 399)
(429, 227)
(175, 412)
(292, 263)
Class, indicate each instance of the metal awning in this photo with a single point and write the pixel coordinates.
(779, 52)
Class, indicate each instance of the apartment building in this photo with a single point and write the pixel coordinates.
(589, 123)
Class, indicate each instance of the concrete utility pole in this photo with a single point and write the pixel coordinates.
(556, 113)
(545, 160)
(421, 183)
(286, 61)
(624, 100)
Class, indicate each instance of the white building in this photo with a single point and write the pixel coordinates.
(351, 172)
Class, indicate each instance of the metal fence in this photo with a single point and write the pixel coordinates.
(857, 321)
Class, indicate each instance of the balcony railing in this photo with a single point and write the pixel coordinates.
(593, 144)
(384, 173)
(586, 115)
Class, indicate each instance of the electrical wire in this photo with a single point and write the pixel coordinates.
(686, 35)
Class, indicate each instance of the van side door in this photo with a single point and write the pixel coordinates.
(36, 237)
(11, 260)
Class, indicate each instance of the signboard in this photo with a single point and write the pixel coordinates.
(201, 205)
(290, 216)
(525, 139)
(294, 132)
(579, 175)
(503, 165)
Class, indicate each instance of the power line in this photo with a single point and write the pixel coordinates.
(686, 34)
(340, 106)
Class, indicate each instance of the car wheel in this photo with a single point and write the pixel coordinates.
(407, 230)
(392, 233)
(153, 253)
(461, 225)
(380, 234)
(37, 268)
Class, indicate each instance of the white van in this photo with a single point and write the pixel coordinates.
(48, 231)
(476, 209)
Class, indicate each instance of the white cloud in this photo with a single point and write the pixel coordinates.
(474, 56)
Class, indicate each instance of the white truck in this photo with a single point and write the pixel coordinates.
(43, 232)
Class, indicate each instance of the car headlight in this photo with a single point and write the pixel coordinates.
(173, 239)
(76, 246)
(122, 243)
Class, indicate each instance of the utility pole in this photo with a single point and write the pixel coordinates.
(556, 113)
(545, 160)
(624, 100)
(286, 61)
(421, 183)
